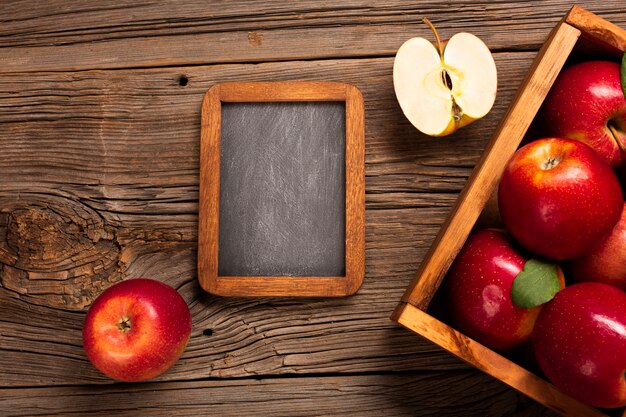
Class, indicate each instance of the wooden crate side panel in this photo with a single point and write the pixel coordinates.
(492, 363)
(595, 27)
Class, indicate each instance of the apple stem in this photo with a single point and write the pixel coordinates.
(551, 163)
(124, 324)
(432, 27)
(615, 132)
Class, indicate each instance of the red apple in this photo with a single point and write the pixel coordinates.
(479, 289)
(580, 343)
(587, 103)
(136, 329)
(558, 198)
(607, 263)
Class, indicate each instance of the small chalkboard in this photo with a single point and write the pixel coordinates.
(282, 190)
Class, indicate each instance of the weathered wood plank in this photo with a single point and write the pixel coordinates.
(246, 337)
(88, 35)
(100, 182)
(106, 129)
(422, 394)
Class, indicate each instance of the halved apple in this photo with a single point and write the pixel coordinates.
(441, 89)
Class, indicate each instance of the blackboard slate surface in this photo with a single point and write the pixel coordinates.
(282, 189)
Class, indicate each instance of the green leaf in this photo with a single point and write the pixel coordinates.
(624, 74)
(536, 284)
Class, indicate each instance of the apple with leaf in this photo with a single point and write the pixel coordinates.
(495, 291)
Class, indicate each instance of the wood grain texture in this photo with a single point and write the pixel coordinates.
(127, 34)
(278, 91)
(601, 30)
(208, 199)
(121, 149)
(355, 190)
(421, 394)
(99, 181)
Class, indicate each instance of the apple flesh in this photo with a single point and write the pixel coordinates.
(558, 198)
(441, 89)
(136, 329)
(606, 264)
(587, 103)
(479, 291)
(580, 343)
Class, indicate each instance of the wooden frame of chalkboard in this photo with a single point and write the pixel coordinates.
(209, 198)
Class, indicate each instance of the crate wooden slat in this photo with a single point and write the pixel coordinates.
(492, 363)
(577, 26)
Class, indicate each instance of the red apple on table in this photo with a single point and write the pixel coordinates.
(558, 198)
(587, 103)
(479, 289)
(136, 329)
(607, 263)
(580, 343)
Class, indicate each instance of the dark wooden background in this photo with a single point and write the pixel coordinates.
(99, 134)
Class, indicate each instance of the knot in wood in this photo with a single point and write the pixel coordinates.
(58, 253)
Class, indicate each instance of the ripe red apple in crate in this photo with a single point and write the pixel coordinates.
(579, 33)
(587, 103)
(479, 287)
(580, 343)
(607, 263)
(558, 198)
(136, 329)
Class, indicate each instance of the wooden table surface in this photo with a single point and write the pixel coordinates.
(99, 140)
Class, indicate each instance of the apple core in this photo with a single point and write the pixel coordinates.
(444, 86)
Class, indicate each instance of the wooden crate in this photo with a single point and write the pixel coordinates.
(580, 33)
